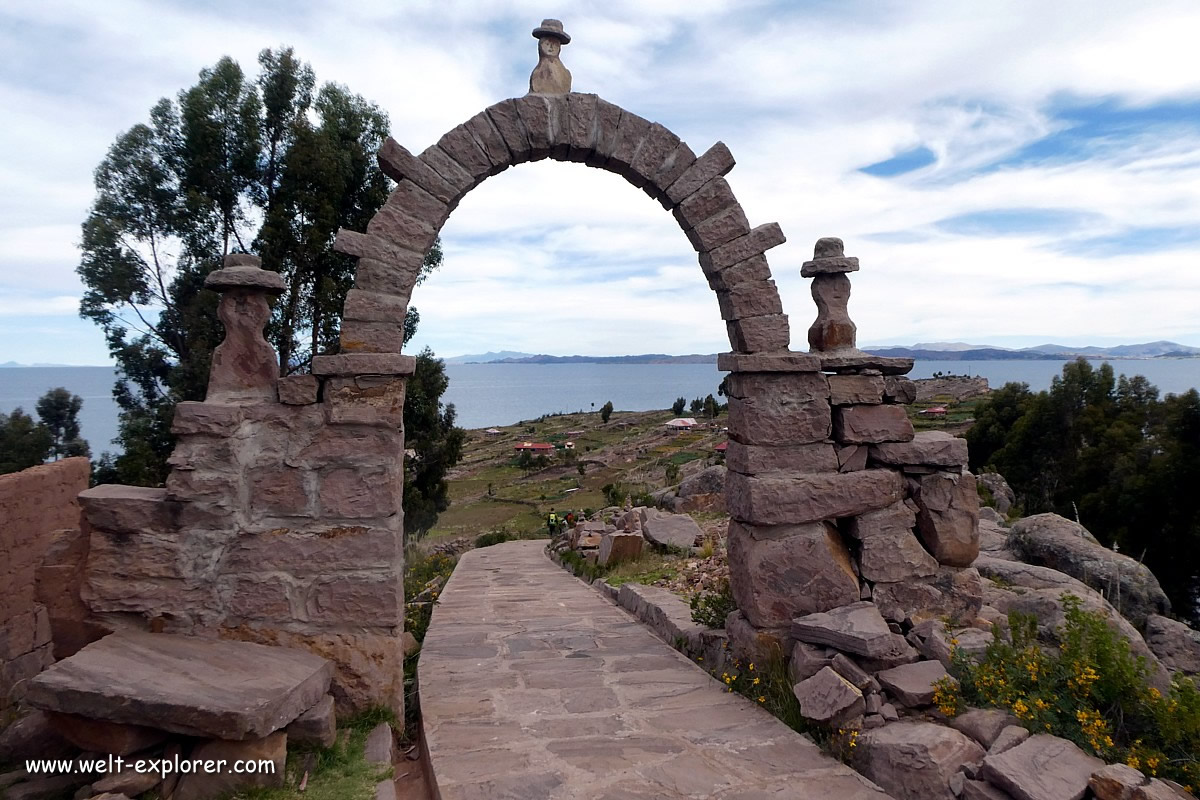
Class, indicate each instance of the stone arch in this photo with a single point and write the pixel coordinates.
(575, 127)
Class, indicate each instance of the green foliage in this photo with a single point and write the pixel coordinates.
(23, 443)
(438, 443)
(272, 166)
(491, 538)
(711, 608)
(1111, 448)
(697, 406)
(58, 410)
(1090, 689)
(671, 472)
(606, 411)
(768, 685)
(678, 406)
(580, 567)
(615, 493)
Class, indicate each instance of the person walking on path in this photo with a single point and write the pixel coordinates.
(552, 522)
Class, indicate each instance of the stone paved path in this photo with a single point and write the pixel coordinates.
(534, 686)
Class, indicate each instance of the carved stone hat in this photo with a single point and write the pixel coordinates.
(551, 27)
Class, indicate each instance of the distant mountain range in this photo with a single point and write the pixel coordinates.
(15, 365)
(924, 351)
(958, 351)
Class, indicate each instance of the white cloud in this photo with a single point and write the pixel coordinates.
(560, 258)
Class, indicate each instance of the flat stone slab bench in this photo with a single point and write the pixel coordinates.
(184, 684)
(533, 686)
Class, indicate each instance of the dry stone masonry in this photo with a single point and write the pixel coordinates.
(833, 496)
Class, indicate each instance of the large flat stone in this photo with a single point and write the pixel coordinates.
(915, 760)
(828, 698)
(948, 516)
(670, 530)
(856, 628)
(796, 499)
(780, 573)
(871, 424)
(1042, 768)
(913, 684)
(188, 685)
(930, 448)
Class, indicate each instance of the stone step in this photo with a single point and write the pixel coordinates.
(184, 684)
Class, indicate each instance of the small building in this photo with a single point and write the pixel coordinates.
(493, 432)
(537, 448)
(936, 411)
(682, 424)
(722, 447)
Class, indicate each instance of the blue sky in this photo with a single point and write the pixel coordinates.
(1011, 173)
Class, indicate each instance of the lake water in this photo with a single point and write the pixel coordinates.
(501, 394)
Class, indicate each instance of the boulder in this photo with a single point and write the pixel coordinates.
(197, 687)
(670, 530)
(1116, 782)
(888, 551)
(1176, 644)
(782, 572)
(956, 594)
(993, 537)
(100, 736)
(749, 643)
(928, 448)
(47, 788)
(1003, 497)
(871, 424)
(128, 782)
(984, 725)
(206, 785)
(1161, 790)
(982, 790)
(897, 389)
(618, 547)
(380, 746)
(1009, 737)
(856, 628)
(704, 491)
(1016, 586)
(788, 499)
(317, 726)
(915, 760)
(1049, 540)
(913, 684)
(807, 660)
(948, 516)
(32, 736)
(828, 698)
(1043, 767)
(933, 641)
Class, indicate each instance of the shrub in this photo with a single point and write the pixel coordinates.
(606, 411)
(1090, 689)
(711, 608)
(491, 538)
(672, 472)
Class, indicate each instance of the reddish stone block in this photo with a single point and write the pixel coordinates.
(759, 334)
(848, 390)
(360, 493)
(750, 459)
(871, 424)
(357, 601)
(752, 299)
(280, 491)
(790, 571)
(399, 164)
(505, 117)
(781, 499)
(299, 390)
(715, 162)
(460, 145)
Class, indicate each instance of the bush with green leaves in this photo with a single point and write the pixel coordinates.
(711, 608)
(492, 537)
(606, 411)
(1089, 689)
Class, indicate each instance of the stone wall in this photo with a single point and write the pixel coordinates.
(280, 521)
(34, 504)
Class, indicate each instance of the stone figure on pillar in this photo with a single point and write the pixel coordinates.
(245, 368)
(550, 76)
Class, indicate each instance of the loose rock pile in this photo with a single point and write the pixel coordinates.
(612, 535)
(168, 702)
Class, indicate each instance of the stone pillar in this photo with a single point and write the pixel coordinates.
(244, 367)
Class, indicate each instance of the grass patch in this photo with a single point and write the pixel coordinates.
(649, 568)
(340, 772)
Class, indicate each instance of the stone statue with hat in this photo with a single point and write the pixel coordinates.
(550, 76)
